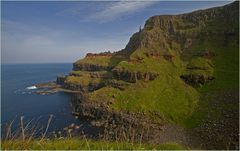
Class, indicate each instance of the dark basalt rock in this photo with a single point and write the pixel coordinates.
(115, 123)
(208, 54)
(197, 68)
(103, 54)
(129, 76)
(74, 87)
(91, 67)
(158, 55)
(95, 86)
(78, 87)
(195, 79)
(92, 74)
(61, 79)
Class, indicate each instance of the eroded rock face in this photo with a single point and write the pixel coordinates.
(74, 87)
(90, 67)
(168, 57)
(103, 54)
(196, 79)
(60, 80)
(164, 22)
(106, 75)
(129, 76)
(207, 54)
(116, 124)
(83, 88)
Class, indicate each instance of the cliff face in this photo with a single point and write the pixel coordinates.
(161, 33)
(168, 68)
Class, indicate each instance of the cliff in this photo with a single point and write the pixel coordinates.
(172, 69)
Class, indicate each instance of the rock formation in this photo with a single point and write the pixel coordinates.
(158, 74)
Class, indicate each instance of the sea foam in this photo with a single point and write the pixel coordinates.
(31, 87)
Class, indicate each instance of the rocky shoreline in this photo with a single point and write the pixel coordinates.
(51, 87)
(114, 122)
(117, 125)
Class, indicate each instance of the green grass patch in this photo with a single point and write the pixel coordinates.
(101, 61)
(82, 80)
(81, 144)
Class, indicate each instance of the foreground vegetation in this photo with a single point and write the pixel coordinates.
(31, 136)
(81, 144)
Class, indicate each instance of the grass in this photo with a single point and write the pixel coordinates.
(200, 62)
(81, 144)
(102, 61)
(226, 73)
(167, 94)
(25, 138)
(159, 96)
(83, 80)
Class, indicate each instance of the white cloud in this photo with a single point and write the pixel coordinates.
(118, 9)
(104, 12)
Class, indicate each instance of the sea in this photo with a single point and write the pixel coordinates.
(19, 100)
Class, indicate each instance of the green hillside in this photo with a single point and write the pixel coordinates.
(172, 71)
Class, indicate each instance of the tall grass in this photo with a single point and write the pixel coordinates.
(31, 136)
(27, 131)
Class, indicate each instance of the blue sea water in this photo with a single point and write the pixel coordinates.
(17, 101)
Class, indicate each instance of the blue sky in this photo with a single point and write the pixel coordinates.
(44, 31)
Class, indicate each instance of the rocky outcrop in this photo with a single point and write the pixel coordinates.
(61, 79)
(83, 88)
(117, 123)
(104, 75)
(157, 54)
(130, 76)
(196, 79)
(207, 54)
(90, 67)
(75, 87)
(103, 54)
(164, 22)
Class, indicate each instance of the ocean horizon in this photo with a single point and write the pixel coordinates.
(19, 100)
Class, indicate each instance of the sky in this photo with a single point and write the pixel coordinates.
(61, 31)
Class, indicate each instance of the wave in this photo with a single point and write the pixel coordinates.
(31, 87)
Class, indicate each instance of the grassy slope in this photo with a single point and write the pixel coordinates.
(158, 95)
(226, 73)
(168, 94)
(77, 144)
